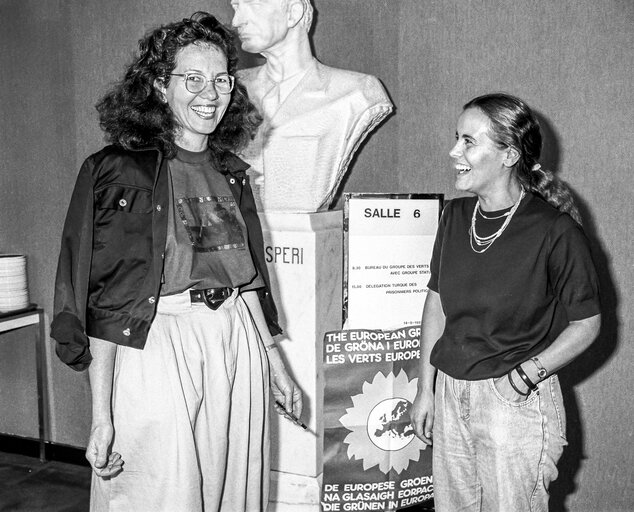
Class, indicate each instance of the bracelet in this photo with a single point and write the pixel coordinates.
(515, 387)
(541, 371)
(270, 347)
(531, 386)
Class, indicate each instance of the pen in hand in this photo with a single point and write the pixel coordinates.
(290, 415)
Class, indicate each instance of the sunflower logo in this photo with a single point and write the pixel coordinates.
(381, 433)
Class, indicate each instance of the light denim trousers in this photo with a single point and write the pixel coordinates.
(491, 454)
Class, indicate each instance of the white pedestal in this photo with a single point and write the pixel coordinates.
(304, 258)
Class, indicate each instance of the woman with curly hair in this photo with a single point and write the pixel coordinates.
(162, 290)
(513, 297)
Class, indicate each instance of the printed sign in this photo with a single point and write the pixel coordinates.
(372, 459)
(388, 242)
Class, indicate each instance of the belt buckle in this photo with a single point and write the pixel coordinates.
(210, 302)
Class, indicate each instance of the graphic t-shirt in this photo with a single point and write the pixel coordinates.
(207, 244)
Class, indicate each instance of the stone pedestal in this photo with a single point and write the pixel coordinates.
(304, 258)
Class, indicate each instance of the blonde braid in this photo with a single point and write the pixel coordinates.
(554, 190)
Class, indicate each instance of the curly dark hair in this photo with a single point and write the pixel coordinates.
(513, 125)
(134, 115)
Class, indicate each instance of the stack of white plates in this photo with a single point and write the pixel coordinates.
(14, 293)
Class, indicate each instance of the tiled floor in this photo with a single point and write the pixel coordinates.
(28, 485)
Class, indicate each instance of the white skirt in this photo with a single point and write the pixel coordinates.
(190, 414)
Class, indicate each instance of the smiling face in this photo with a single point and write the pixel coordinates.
(197, 114)
(480, 164)
(261, 24)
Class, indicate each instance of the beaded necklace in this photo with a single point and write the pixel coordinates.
(484, 242)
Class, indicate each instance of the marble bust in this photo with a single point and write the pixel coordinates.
(315, 116)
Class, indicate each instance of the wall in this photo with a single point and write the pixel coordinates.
(36, 173)
(571, 60)
(58, 58)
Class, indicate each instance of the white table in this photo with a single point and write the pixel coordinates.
(9, 322)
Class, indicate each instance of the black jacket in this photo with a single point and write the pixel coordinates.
(111, 258)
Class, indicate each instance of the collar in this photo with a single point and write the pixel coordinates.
(235, 165)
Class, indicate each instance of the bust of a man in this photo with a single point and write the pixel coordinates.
(315, 116)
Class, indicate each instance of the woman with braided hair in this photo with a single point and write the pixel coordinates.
(162, 288)
(513, 297)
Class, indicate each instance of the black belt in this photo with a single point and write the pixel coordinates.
(212, 297)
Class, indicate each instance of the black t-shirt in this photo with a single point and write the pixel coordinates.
(510, 302)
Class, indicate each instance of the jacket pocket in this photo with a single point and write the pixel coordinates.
(124, 198)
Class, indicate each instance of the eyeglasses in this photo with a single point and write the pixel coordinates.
(195, 82)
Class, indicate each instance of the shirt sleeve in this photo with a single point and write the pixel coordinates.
(571, 271)
(73, 272)
(256, 246)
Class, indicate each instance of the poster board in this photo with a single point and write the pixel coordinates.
(388, 239)
(372, 459)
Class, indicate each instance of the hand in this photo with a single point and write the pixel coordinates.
(507, 392)
(103, 463)
(283, 387)
(421, 414)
